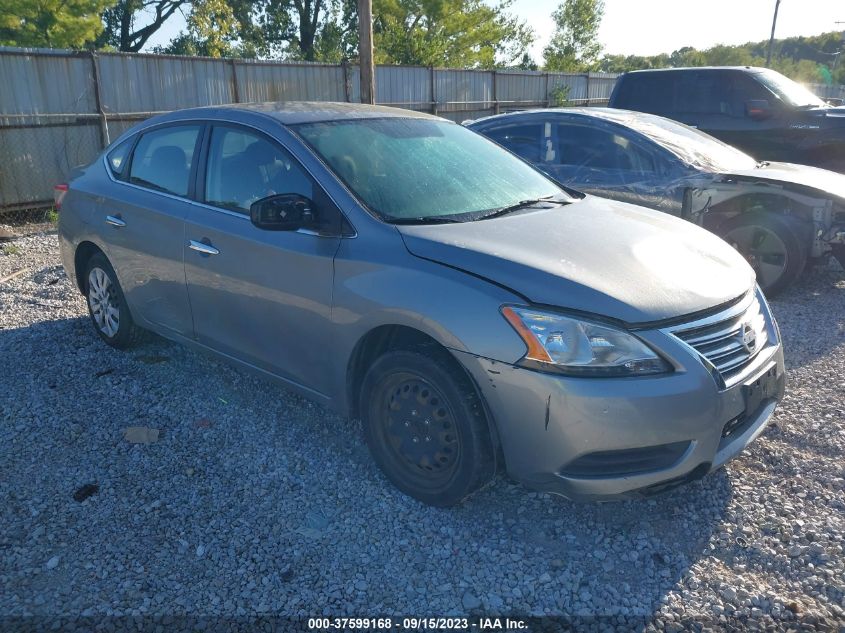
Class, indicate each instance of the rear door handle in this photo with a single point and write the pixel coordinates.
(115, 220)
(202, 247)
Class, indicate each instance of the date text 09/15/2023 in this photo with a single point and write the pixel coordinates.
(417, 623)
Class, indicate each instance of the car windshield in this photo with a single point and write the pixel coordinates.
(414, 169)
(689, 144)
(787, 90)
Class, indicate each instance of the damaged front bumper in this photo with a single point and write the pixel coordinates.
(588, 438)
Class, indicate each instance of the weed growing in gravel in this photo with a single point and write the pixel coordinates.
(11, 249)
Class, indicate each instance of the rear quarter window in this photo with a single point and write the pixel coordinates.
(118, 157)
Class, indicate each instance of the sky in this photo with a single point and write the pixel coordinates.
(649, 27)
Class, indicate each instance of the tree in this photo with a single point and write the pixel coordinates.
(808, 59)
(451, 33)
(575, 46)
(212, 30)
(312, 30)
(120, 22)
(50, 23)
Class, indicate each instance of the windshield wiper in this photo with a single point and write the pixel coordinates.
(763, 163)
(522, 204)
(431, 219)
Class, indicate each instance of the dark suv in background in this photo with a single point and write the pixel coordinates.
(757, 110)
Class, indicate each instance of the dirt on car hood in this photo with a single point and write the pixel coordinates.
(595, 256)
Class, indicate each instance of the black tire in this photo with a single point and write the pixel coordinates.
(107, 306)
(772, 243)
(407, 395)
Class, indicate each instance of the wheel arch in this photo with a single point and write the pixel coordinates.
(792, 207)
(394, 337)
(83, 253)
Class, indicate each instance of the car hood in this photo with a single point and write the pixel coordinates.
(595, 256)
(824, 180)
(831, 111)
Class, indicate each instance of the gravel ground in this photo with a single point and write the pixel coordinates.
(256, 502)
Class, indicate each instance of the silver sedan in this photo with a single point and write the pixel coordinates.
(400, 268)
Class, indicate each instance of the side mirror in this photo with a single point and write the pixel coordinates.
(758, 109)
(282, 212)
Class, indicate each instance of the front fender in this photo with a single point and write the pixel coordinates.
(393, 287)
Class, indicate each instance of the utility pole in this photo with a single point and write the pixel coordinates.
(365, 51)
(772, 37)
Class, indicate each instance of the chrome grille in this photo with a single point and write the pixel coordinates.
(731, 339)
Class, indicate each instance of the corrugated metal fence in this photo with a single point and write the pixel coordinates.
(58, 109)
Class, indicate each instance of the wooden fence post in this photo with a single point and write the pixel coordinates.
(345, 69)
(104, 124)
(433, 90)
(236, 92)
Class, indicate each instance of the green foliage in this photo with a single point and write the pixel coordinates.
(575, 45)
(212, 30)
(129, 24)
(53, 216)
(50, 23)
(559, 97)
(11, 249)
(448, 33)
(808, 59)
(527, 63)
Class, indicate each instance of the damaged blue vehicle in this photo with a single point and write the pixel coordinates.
(782, 217)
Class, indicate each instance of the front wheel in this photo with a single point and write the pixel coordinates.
(772, 245)
(426, 428)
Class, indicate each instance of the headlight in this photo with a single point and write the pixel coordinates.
(582, 348)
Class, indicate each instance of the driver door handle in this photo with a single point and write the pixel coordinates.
(202, 247)
(115, 220)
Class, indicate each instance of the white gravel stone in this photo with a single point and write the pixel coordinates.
(276, 507)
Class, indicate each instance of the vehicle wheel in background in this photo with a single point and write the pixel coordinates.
(426, 427)
(107, 305)
(771, 243)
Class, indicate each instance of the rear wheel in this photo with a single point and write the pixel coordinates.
(772, 245)
(107, 305)
(426, 428)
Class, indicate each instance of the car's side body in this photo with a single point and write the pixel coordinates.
(365, 272)
(315, 308)
(666, 178)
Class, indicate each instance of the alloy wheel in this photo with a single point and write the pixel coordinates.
(102, 299)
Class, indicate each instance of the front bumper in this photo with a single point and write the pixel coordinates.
(588, 438)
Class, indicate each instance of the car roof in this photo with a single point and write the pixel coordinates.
(614, 115)
(294, 112)
(685, 68)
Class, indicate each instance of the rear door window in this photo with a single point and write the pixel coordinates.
(647, 92)
(703, 92)
(163, 158)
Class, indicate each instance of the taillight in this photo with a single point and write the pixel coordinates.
(59, 193)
